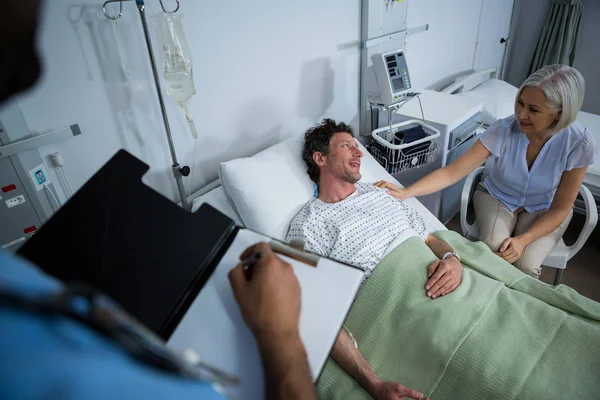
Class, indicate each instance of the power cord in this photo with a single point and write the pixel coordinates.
(392, 110)
(58, 204)
(67, 181)
(421, 107)
(417, 95)
(59, 161)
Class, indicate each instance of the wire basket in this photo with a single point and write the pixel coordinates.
(407, 145)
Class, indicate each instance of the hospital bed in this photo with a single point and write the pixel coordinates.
(498, 99)
(265, 191)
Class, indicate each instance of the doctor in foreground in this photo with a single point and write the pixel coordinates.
(48, 355)
(536, 162)
(359, 223)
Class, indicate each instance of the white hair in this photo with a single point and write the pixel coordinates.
(564, 88)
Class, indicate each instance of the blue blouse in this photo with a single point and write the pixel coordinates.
(512, 182)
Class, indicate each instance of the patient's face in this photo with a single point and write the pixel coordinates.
(533, 113)
(343, 159)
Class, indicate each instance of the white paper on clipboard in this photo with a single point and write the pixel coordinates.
(214, 328)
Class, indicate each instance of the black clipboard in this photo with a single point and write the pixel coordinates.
(133, 244)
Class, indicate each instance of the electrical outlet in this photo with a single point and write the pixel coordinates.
(15, 201)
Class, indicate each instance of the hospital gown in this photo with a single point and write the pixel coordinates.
(358, 229)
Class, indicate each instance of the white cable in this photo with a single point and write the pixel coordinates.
(59, 161)
(421, 106)
(122, 46)
(394, 109)
(48, 198)
(58, 204)
(67, 181)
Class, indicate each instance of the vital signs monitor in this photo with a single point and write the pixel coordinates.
(392, 77)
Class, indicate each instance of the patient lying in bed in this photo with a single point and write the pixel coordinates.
(359, 224)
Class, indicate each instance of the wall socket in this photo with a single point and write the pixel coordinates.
(15, 201)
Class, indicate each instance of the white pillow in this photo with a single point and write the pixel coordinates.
(498, 98)
(269, 188)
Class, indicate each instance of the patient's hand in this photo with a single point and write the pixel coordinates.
(393, 190)
(396, 391)
(444, 276)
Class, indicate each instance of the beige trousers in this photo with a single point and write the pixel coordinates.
(496, 222)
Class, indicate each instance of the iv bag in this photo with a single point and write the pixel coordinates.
(177, 68)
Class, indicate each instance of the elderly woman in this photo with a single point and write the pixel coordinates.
(537, 160)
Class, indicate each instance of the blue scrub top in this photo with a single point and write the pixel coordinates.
(53, 357)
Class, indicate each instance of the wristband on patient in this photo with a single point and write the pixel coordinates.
(451, 253)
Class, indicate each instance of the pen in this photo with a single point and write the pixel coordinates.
(249, 262)
(302, 256)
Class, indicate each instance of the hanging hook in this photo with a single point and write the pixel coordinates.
(114, 18)
(169, 12)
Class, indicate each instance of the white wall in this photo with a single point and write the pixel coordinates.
(448, 47)
(587, 55)
(263, 70)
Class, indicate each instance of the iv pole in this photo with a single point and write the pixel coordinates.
(178, 171)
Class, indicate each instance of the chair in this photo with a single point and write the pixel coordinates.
(562, 253)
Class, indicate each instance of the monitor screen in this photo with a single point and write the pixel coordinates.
(397, 84)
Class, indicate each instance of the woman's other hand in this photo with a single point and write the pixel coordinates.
(512, 248)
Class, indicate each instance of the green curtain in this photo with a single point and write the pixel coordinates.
(558, 36)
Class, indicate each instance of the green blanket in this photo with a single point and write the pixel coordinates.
(499, 335)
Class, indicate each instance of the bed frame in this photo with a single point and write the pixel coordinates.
(469, 82)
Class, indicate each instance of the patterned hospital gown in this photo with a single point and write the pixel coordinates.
(358, 229)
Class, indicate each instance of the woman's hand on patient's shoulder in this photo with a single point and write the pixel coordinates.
(444, 277)
(393, 190)
(396, 391)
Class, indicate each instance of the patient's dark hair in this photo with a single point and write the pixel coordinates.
(317, 139)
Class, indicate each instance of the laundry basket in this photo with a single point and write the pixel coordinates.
(409, 144)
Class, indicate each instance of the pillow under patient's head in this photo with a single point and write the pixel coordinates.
(269, 188)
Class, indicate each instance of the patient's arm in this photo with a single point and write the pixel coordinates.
(352, 361)
(439, 247)
(444, 275)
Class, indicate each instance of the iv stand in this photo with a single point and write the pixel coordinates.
(178, 171)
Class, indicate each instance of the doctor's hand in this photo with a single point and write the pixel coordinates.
(270, 299)
(511, 249)
(393, 190)
(444, 276)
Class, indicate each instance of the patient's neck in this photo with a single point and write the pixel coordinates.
(332, 190)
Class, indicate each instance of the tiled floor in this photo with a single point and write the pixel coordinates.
(583, 270)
